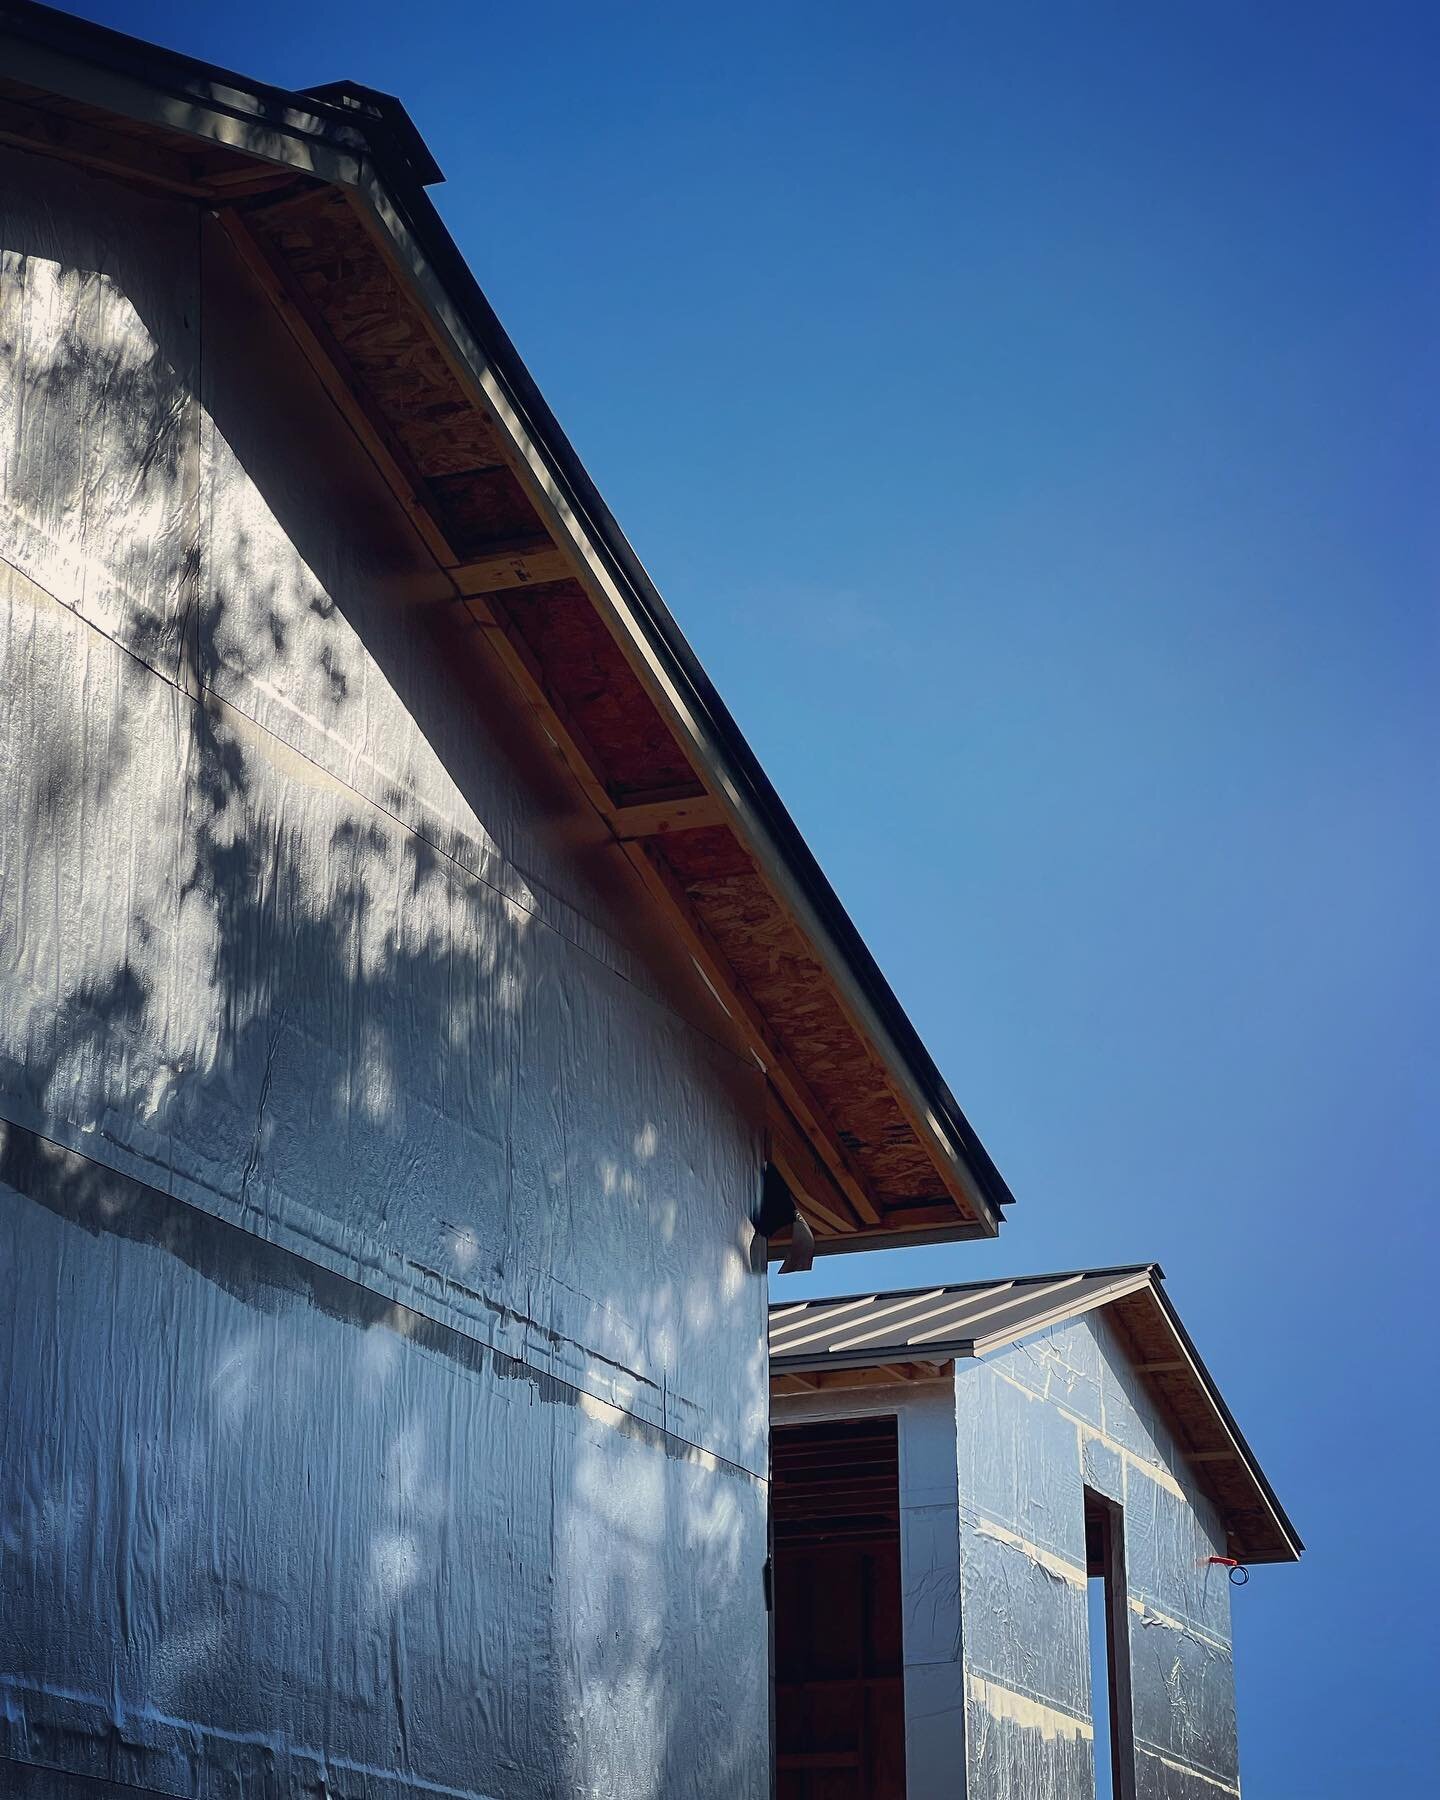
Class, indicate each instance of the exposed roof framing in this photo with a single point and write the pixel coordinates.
(875, 1339)
(323, 192)
(835, 1481)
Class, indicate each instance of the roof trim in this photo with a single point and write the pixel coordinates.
(353, 137)
(1121, 1287)
(1293, 1543)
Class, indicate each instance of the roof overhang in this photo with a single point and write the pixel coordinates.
(875, 1339)
(323, 194)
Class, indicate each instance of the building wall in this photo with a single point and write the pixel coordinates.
(383, 1336)
(994, 1571)
(1037, 1424)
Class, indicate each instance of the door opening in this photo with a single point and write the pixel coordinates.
(1109, 1648)
(839, 1669)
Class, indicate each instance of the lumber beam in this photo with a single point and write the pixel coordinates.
(867, 1376)
(786, 1079)
(247, 180)
(653, 818)
(807, 1177)
(924, 1216)
(339, 380)
(551, 714)
(510, 565)
(72, 140)
(332, 366)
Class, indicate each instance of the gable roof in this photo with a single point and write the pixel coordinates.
(323, 194)
(930, 1326)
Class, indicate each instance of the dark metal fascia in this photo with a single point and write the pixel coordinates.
(336, 146)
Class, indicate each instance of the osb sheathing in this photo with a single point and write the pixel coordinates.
(778, 970)
(581, 662)
(400, 368)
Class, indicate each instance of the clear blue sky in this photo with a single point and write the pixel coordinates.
(1030, 413)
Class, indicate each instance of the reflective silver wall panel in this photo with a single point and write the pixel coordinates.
(385, 1400)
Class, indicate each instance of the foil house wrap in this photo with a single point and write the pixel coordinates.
(1007, 1518)
(419, 1019)
(420, 1027)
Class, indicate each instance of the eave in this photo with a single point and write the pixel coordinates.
(883, 1338)
(323, 194)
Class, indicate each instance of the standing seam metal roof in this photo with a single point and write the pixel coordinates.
(933, 1325)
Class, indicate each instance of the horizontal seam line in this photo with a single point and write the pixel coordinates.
(377, 1294)
(198, 701)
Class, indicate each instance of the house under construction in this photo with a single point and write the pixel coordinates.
(420, 1025)
(1006, 1520)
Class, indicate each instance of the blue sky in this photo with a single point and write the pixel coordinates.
(1030, 413)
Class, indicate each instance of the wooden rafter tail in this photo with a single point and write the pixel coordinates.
(76, 142)
(930, 1215)
(518, 564)
(551, 713)
(809, 1178)
(824, 1220)
(333, 369)
(332, 366)
(654, 818)
(245, 181)
(784, 1076)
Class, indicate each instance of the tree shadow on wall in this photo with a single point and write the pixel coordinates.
(271, 968)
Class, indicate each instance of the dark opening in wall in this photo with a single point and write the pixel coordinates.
(839, 1675)
(1109, 1648)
